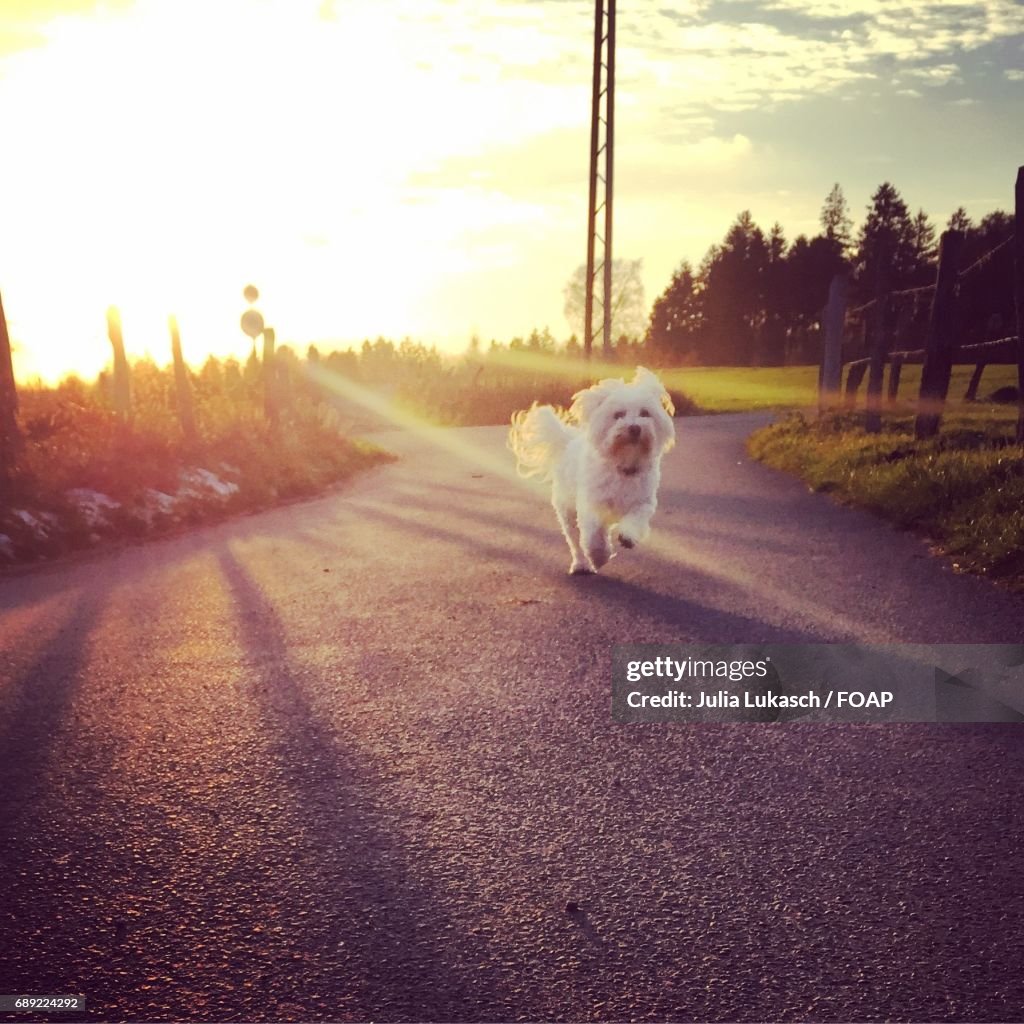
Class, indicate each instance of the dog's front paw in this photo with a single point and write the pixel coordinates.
(633, 530)
(580, 569)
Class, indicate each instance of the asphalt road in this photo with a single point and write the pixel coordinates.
(352, 759)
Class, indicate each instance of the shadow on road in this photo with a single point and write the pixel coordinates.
(37, 703)
(725, 535)
(694, 621)
(717, 506)
(378, 942)
(39, 926)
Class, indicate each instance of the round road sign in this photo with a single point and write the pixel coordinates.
(252, 323)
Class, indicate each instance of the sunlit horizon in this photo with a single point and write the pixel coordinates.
(418, 170)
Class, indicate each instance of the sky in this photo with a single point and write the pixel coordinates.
(419, 167)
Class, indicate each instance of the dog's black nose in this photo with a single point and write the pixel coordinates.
(634, 430)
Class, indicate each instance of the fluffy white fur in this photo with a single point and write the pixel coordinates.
(603, 458)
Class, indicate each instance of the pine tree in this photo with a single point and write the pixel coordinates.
(885, 245)
(776, 300)
(734, 282)
(675, 318)
(836, 225)
(925, 246)
(959, 221)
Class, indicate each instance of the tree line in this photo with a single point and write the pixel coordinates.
(756, 298)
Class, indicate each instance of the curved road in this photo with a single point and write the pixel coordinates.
(353, 759)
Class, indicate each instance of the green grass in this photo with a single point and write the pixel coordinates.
(747, 389)
(487, 390)
(964, 489)
(487, 393)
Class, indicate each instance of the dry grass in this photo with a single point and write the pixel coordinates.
(74, 443)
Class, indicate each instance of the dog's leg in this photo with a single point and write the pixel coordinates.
(594, 535)
(635, 526)
(567, 521)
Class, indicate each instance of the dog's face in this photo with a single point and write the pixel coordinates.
(627, 423)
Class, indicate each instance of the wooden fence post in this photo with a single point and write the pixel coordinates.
(122, 375)
(938, 354)
(10, 435)
(832, 320)
(182, 386)
(895, 370)
(971, 394)
(1018, 289)
(853, 378)
(270, 374)
(879, 349)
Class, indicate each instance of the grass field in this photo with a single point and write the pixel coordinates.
(743, 389)
(464, 398)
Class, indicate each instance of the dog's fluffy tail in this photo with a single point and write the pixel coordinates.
(537, 438)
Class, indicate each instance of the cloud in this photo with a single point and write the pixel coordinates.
(936, 74)
(908, 30)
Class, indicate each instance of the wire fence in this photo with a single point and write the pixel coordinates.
(982, 261)
(936, 325)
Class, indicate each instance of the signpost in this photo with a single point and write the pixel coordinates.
(252, 319)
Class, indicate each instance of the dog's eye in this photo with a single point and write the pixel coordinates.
(619, 414)
(644, 412)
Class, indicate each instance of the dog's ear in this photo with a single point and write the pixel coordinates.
(649, 381)
(585, 403)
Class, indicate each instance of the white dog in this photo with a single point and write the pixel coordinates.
(603, 458)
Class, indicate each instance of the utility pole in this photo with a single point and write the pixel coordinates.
(602, 155)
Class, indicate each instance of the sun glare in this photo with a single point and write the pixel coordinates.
(171, 152)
